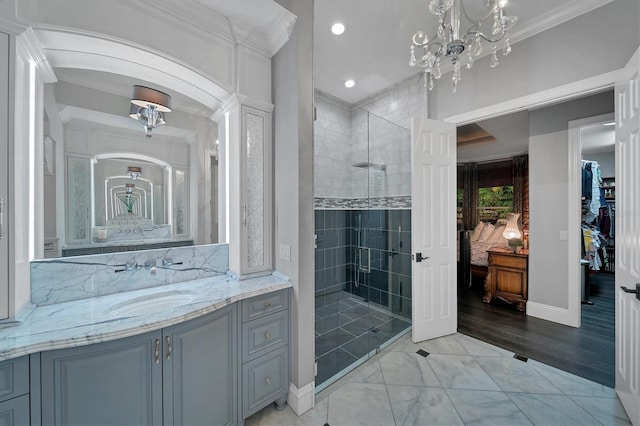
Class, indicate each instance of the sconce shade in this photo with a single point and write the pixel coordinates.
(144, 96)
(511, 230)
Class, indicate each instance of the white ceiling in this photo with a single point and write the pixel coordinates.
(374, 50)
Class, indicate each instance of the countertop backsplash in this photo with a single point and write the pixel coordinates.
(81, 277)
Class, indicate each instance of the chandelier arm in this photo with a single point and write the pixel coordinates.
(486, 38)
(430, 43)
(475, 22)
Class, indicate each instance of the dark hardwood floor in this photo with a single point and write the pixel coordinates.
(588, 351)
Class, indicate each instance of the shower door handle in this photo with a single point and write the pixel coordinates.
(362, 267)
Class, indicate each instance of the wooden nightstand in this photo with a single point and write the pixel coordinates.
(507, 277)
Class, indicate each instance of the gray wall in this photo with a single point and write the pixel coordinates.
(607, 161)
(292, 75)
(548, 180)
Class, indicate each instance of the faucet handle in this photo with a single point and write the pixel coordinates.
(149, 263)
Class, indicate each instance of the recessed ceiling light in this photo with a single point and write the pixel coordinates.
(338, 28)
(349, 83)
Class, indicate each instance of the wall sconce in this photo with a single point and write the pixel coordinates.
(148, 105)
(134, 172)
(129, 188)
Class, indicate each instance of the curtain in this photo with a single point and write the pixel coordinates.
(470, 199)
(521, 188)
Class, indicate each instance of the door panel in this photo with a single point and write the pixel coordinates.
(627, 238)
(433, 214)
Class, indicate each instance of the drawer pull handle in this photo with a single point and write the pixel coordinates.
(267, 335)
(268, 380)
(157, 351)
(267, 304)
(169, 348)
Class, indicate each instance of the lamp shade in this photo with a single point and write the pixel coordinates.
(511, 230)
(144, 96)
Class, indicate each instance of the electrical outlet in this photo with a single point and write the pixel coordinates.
(285, 252)
(564, 235)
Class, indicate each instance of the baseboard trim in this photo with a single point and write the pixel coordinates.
(550, 313)
(303, 399)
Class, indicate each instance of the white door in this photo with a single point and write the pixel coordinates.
(627, 238)
(433, 215)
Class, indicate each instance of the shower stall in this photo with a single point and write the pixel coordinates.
(363, 236)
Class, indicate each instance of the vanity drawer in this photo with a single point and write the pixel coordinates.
(14, 378)
(264, 334)
(265, 304)
(264, 380)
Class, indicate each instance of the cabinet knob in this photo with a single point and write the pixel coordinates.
(267, 304)
(267, 335)
(268, 380)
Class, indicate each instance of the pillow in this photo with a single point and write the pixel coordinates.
(496, 235)
(486, 232)
(477, 230)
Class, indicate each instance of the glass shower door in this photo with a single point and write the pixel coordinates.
(363, 277)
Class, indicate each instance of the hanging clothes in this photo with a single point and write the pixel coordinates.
(592, 195)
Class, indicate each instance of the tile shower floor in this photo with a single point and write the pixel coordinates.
(461, 381)
(347, 329)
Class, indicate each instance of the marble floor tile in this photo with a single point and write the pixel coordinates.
(272, 417)
(360, 404)
(410, 369)
(444, 345)
(477, 347)
(552, 410)
(486, 408)
(513, 375)
(461, 372)
(571, 384)
(608, 411)
(369, 372)
(422, 406)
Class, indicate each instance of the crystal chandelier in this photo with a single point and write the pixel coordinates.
(493, 27)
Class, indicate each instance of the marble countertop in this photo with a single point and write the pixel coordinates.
(104, 318)
(118, 243)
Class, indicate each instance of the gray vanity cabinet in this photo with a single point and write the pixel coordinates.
(14, 392)
(265, 351)
(111, 383)
(182, 375)
(200, 370)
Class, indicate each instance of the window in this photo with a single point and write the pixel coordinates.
(495, 202)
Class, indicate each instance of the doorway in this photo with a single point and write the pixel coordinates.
(577, 350)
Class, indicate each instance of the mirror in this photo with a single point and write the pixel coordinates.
(107, 186)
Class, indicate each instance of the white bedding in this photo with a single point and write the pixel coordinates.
(479, 255)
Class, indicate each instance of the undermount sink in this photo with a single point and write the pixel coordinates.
(151, 304)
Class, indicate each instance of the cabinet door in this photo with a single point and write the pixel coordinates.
(111, 383)
(15, 412)
(200, 370)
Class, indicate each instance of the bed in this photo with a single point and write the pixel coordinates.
(473, 246)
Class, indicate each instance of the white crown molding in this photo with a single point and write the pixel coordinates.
(31, 46)
(69, 113)
(205, 21)
(75, 49)
(568, 11)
